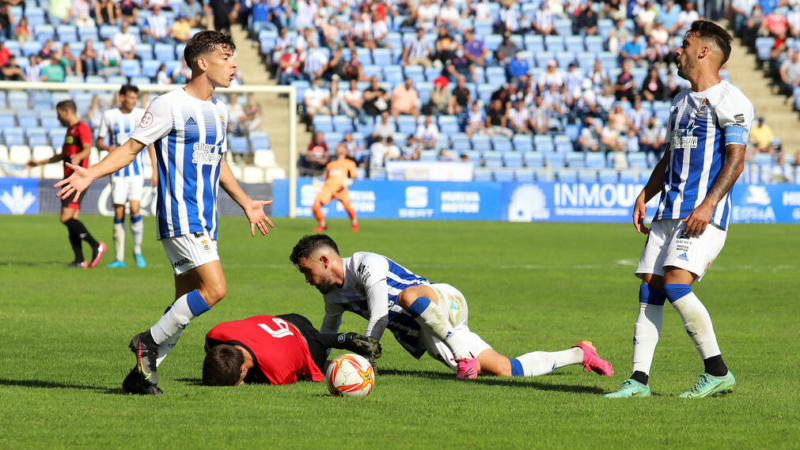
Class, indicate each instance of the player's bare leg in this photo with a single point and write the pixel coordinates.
(137, 234)
(423, 303)
(119, 238)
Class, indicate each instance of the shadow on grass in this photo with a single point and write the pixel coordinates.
(191, 381)
(55, 385)
(34, 263)
(518, 382)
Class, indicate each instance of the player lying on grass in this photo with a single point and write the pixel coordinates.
(423, 316)
(274, 350)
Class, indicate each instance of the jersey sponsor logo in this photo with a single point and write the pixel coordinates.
(181, 262)
(204, 154)
(683, 257)
(146, 121)
(683, 139)
(191, 121)
(363, 271)
(739, 118)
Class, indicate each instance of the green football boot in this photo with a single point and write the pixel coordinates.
(708, 385)
(630, 388)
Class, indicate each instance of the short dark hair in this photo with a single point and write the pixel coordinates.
(310, 243)
(128, 88)
(67, 105)
(205, 42)
(222, 366)
(704, 29)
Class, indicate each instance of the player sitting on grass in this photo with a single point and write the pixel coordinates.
(423, 316)
(274, 350)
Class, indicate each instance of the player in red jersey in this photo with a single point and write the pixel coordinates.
(76, 149)
(274, 350)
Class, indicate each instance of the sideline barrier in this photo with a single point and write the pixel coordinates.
(497, 201)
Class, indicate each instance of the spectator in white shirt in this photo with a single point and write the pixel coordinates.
(317, 100)
(428, 133)
(125, 41)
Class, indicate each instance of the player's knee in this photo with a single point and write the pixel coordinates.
(406, 298)
(214, 292)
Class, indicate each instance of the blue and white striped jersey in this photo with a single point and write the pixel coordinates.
(371, 285)
(189, 139)
(118, 127)
(701, 125)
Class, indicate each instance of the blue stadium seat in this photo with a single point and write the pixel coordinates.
(67, 33)
(238, 144)
(394, 39)
(459, 142)
(144, 51)
(87, 33)
(485, 91)
(300, 86)
(482, 28)
(554, 160)
(501, 144)
(512, 160)
(524, 176)
(259, 140)
(567, 175)
(371, 70)
(608, 176)
(416, 73)
(542, 58)
(44, 32)
(392, 74)
(637, 160)
(544, 143)
(492, 160)
(533, 159)
(534, 43)
(108, 31)
(428, 155)
(574, 44)
(481, 142)
(31, 48)
(595, 160)
(554, 43)
(27, 121)
(140, 81)
(563, 143)
(483, 175)
(492, 42)
(608, 61)
(576, 160)
(343, 124)
(448, 125)
(564, 27)
(164, 52)
(764, 45)
(150, 68)
(18, 99)
(495, 76)
(593, 44)
(322, 123)
(564, 59)
(604, 27)
(522, 142)
(131, 67)
(406, 124)
(364, 56)
(382, 57)
(424, 90)
(331, 139)
(504, 175)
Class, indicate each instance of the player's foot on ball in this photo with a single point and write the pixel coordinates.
(593, 362)
(140, 262)
(467, 368)
(116, 264)
(319, 228)
(630, 388)
(146, 353)
(134, 383)
(97, 253)
(78, 264)
(354, 227)
(708, 385)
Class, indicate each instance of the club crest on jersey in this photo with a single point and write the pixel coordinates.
(703, 107)
(146, 121)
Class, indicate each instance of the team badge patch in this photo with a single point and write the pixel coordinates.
(146, 121)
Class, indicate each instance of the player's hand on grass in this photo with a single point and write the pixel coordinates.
(363, 345)
(78, 182)
(255, 214)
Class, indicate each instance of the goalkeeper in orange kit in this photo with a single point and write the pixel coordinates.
(339, 174)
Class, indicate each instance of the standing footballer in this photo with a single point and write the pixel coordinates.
(709, 126)
(187, 128)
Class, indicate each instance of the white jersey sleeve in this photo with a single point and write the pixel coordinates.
(155, 124)
(105, 126)
(735, 114)
(332, 320)
(371, 274)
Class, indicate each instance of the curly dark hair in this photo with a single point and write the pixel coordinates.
(222, 366)
(206, 42)
(704, 29)
(308, 244)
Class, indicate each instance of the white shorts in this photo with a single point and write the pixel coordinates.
(189, 251)
(666, 247)
(125, 189)
(452, 303)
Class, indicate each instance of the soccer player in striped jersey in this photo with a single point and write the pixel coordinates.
(423, 316)
(187, 128)
(708, 129)
(127, 183)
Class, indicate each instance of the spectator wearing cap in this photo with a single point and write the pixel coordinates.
(507, 50)
(474, 49)
(585, 22)
(518, 68)
(441, 97)
(417, 51)
(551, 75)
(405, 99)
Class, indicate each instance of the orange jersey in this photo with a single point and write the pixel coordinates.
(337, 172)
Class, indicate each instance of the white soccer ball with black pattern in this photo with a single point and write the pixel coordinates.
(350, 375)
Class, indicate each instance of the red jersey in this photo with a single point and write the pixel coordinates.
(77, 135)
(279, 350)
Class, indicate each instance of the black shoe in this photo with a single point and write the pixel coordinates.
(78, 264)
(145, 357)
(135, 383)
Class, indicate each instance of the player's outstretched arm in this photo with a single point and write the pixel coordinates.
(697, 221)
(653, 187)
(253, 209)
(80, 180)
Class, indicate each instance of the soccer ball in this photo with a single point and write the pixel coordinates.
(350, 375)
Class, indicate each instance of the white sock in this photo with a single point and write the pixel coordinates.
(437, 322)
(167, 346)
(137, 231)
(698, 324)
(541, 363)
(646, 332)
(119, 239)
(173, 321)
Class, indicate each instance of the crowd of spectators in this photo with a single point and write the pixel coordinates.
(612, 106)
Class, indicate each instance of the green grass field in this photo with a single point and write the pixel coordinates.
(63, 343)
